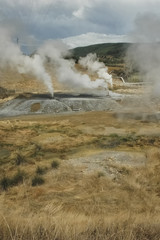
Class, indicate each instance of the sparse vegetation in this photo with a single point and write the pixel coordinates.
(130, 140)
(5, 183)
(40, 170)
(118, 202)
(17, 178)
(100, 174)
(19, 159)
(37, 180)
(55, 164)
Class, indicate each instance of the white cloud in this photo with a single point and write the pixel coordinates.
(94, 38)
(79, 13)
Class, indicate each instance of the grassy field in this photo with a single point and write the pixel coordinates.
(44, 196)
(70, 177)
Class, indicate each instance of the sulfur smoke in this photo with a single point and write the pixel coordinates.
(145, 52)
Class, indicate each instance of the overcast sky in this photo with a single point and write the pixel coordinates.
(78, 22)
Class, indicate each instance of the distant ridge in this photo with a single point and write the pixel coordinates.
(109, 53)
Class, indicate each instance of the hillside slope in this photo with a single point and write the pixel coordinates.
(109, 53)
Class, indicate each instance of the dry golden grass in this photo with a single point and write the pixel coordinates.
(71, 204)
(72, 226)
(12, 80)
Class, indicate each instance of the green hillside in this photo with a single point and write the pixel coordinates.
(109, 53)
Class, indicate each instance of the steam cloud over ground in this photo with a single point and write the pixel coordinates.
(11, 56)
(94, 66)
(146, 52)
(54, 52)
(66, 71)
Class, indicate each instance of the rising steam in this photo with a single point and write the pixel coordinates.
(11, 55)
(91, 63)
(145, 53)
(66, 71)
(54, 52)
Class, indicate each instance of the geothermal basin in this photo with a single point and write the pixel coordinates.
(124, 106)
(62, 102)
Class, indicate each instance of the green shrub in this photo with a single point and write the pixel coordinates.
(55, 164)
(37, 180)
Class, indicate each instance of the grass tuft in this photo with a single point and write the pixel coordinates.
(18, 178)
(40, 170)
(19, 159)
(5, 183)
(55, 164)
(37, 180)
(100, 174)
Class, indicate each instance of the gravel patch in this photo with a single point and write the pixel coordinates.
(52, 106)
(104, 162)
(24, 106)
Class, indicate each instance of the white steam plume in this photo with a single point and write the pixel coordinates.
(66, 71)
(145, 54)
(54, 52)
(11, 55)
(94, 66)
